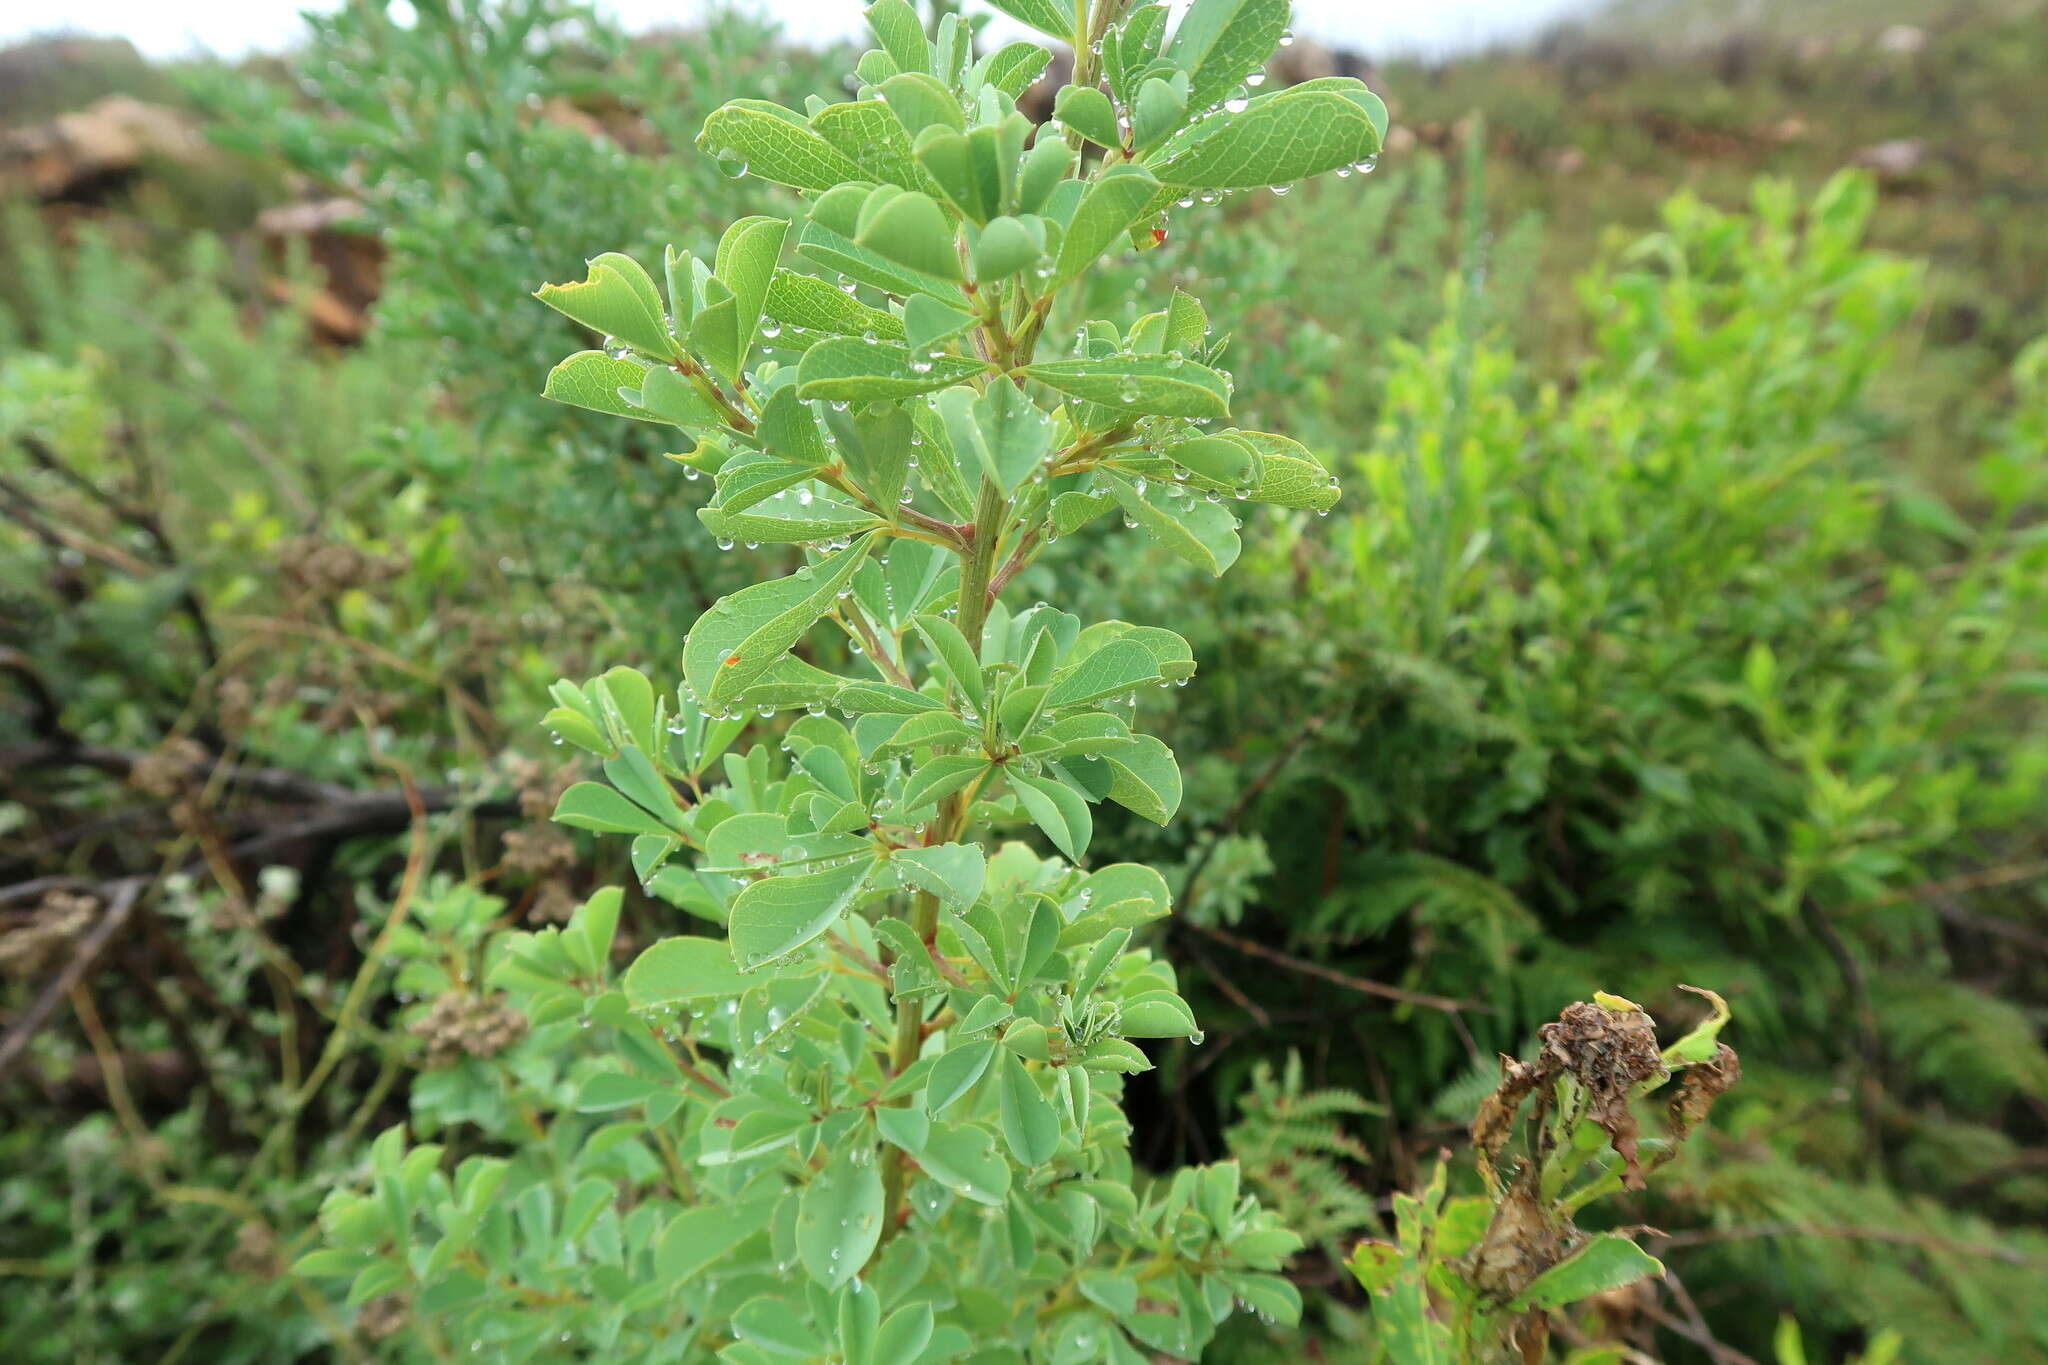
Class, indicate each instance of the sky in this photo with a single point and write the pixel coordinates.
(233, 27)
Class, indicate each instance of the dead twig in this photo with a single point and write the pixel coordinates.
(120, 898)
(1363, 985)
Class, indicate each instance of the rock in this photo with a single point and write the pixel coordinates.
(78, 156)
(1896, 159)
(1903, 39)
(1567, 161)
(350, 259)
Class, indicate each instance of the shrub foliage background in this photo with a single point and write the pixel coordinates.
(1681, 623)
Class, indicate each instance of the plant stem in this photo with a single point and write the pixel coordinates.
(977, 567)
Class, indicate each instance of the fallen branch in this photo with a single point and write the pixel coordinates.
(119, 898)
(355, 816)
(1361, 984)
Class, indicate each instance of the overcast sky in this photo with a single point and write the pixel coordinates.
(173, 27)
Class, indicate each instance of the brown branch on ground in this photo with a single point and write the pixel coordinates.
(1363, 985)
(350, 815)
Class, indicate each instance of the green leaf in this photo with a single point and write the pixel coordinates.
(837, 250)
(746, 634)
(1156, 1014)
(848, 369)
(903, 1336)
(964, 1159)
(1161, 107)
(332, 1264)
(775, 916)
(1006, 246)
(870, 132)
(1015, 67)
(1187, 323)
(1123, 894)
(905, 1128)
(952, 872)
(592, 379)
(1001, 430)
(609, 1090)
(1218, 458)
(682, 971)
(773, 143)
(616, 299)
(937, 778)
(910, 229)
(1113, 1293)
(911, 970)
(1045, 166)
(1273, 1297)
(1374, 1265)
(921, 101)
(974, 170)
(927, 322)
(789, 431)
(1117, 667)
(1164, 385)
(1116, 199)
(806, 301)
(634, 775)
(1282, 138)
(957, 657)
(839, 1217)
(666, 395)
(749, 478)
(723, 332)
(1704, 1041)
(1220, 42)
(1030, 1127)
(900, 32)
(955, 1073)
(1145, 779)
(777, 1325)
(786, 520)
(578, 730)
(591, 805)
(1202, 533)
(873, 698)
(1049, 17)
(1288, 475)
(1088, 112)
(1057, 809)
(1607, 1262)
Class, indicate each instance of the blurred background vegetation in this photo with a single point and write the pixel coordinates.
(1683, 622)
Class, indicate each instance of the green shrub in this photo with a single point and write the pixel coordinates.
(1670, 674)
(879, 1119)
(489, 142)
